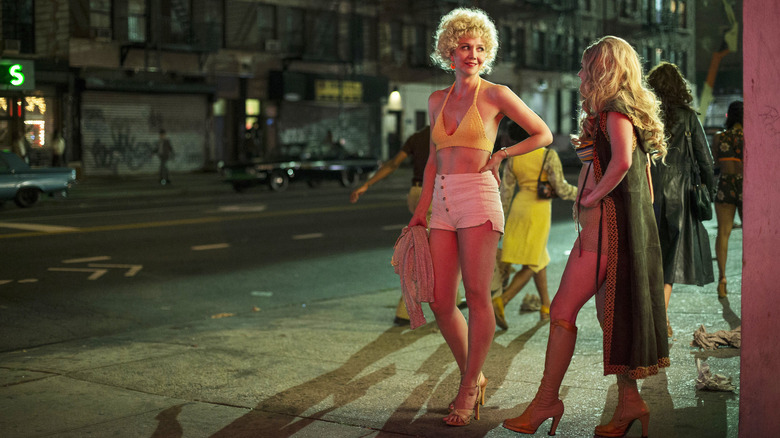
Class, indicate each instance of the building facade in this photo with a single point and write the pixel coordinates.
(241, 79)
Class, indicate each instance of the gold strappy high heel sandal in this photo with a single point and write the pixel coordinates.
(462, 417)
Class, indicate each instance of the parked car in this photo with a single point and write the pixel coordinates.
(348, 170)
(24, 184)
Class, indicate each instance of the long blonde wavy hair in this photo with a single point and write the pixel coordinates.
(613, 81)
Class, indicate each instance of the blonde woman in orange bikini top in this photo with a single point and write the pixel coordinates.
(461, 186)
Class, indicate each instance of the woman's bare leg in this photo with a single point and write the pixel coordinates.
(477, 248)
(725, 215)
(578, 285)
(444, 253)
(540, 281)
(519, 281)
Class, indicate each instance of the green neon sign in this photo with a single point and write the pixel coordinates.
(17, 74)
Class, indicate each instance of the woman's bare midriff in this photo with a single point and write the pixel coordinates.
(454, 160)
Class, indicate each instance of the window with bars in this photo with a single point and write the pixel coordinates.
(136, 20)
(292, 30)
(18, 25)
(321, 27)
(100, 19)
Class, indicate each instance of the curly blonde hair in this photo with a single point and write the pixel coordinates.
(464, 22)
(613, 81)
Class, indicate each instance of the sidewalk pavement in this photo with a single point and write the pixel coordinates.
(338, 368)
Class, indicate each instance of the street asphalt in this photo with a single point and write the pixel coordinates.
(340, 368)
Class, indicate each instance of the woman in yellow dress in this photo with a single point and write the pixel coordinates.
(528, 223)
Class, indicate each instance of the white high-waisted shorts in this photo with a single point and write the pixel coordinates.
(465, 200)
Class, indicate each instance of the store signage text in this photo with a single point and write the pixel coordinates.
(17, 74)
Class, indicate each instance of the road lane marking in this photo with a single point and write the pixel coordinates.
(210, 247)
(131, 269)
(96, 273)
(38, 227)
(307, 236)
(207, 220)
(242, 208)
(88, 259)
(2, 282)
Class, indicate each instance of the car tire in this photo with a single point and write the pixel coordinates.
(27, 197)
(278, 181)
(349, 177)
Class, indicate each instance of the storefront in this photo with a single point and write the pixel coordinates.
(317, 112)
(119, 131)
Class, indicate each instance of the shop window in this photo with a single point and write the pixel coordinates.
(18, 26)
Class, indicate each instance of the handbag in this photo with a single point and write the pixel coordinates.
(544, 190)
(701, 204)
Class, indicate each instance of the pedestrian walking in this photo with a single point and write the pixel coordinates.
(165, 153)
(685, 244)
(728, 148)
(416, 146)
(460, 183)
(57, 149)
(616, 256)
(528, 220)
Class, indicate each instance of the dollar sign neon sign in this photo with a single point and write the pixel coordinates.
(16, 73)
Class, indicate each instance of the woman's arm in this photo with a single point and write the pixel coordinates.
(554, 170)
(508, 183)
(509, 104)
(621, 135)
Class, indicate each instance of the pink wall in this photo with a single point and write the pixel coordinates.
(760, 356)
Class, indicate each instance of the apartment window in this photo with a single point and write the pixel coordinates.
(100, 18)
(136, 20)
(181, 21)
(419, 52)
(628, 8)
(520, 52)
(396, 41)
(678, 8)
(506, 48)
(249, 24)
(322, 27)
(356, 39)
(292, 29)
(266, 24)
(656, 10)
(18, 24)
(539, 48)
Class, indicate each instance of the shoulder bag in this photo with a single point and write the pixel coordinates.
(701, 204)
(544, 190)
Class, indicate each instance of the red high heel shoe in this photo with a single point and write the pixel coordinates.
(630, 408)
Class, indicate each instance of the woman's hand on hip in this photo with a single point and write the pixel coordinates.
(493, 165)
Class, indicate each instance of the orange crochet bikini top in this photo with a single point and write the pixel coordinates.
(470, 132)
